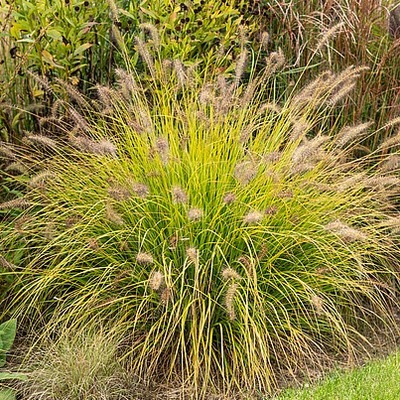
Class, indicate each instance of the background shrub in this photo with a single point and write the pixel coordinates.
(82, 42)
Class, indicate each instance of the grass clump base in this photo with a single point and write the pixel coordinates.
(225, 237)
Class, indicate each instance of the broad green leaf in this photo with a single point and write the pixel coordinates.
(82, 48)
(15, 121)
(12, 375)
(7, 394)
(148, 12)
(7, 333)
(128, 14)
(77, 68)
(54, 34)
(16, 29)
(49, 59)
(26, 40)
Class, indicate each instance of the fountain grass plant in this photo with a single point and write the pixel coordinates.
(229, 239)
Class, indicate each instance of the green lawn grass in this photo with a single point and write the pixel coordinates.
(378, 380)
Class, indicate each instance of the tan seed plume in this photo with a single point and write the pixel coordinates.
(179, 196)
(17, 167)
(156, 280)
(318, 304)
(180, 72)
(195, 214)
(328, 35)
(146, 56)
(193, 255)
(392, 163)
(229, 300)
(230, 273)
(229, 198)
(42, 140)
(162, 148)
(153, 32)
(350, 133)
(118, 193)
(113, 216)
(264, 40)
(253, 217)
(139, 189)
(390, 142)
(309, 149)
(6, 264)
(346, 232)
(245, 172)
(240, 67)
(166, 295)
(127, 83)
(6, 152)
(73, 93)
(16, 203)
(275, 61)
(144, 258)
(39, 180)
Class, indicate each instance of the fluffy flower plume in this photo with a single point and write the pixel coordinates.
(253, 217)
(16, 203)
(103, 147)
(42, 140)
(139, 189)
(229, 300)
(309, 149)
(143, 258)
(318, 304)
(229, 198)
(347, 233)
(113, 215)
(230, 273)
(245, 172)
(162, 148)
(179, 195)
(350, 133)
(6, 264)
(153, 32)
(39, 180)
(166, 295)
(156, 280)
(118, 193)
(193, 255)
(195, 214)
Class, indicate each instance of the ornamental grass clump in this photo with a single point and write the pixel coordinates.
(224, 258)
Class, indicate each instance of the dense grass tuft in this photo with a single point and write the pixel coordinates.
(228, 238)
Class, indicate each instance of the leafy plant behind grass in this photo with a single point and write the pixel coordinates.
(81, 42)
(7, 336)
(230, 238)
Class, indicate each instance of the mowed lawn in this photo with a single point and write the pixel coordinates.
(378, 380)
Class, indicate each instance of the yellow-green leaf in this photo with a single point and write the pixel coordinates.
(54, 34)
(82, 48)
(38, 93)
(47, 57)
